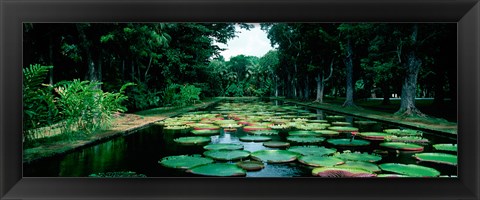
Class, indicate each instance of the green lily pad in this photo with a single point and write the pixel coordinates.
(357, 156)
(254, 138)
(445, 147)
(343, 129)
(320, 161)
(410, 170)
(218, 169)
(223, 146)
(407, 139)
(312, 150)
(205, 132)
(347, 142)
(402, 146)
(305, 139)
(264, 132)
(327, 132)
(403, 132)
(275, 156)
(184, 161)
(441, 158)
(176, 129)
(251, 165)
(195, 140)
(391, 176)
(341, 124)
(335, 117)
(317, 121)
(373, 135)
(206, 127)
(276, 144)
(361, 165)
(303, 133)
(338, 172)
(226, 155)
(255, 128)
(126, 174)
(228, 126)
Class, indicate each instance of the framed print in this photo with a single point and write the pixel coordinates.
(239, 99)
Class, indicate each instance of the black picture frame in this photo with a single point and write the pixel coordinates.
(466, 13)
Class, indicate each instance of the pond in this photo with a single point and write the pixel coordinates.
(281, 140)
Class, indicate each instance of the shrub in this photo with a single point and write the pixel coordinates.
(234, 91)
(178, 95)
(142, 98)
(85, 107)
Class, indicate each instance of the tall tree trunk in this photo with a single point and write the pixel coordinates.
(133, 71)
(349, 65)
(86, 45)
(320, 86)
(409, 87)
(386, 94)
(276, 85)
(439, 95)
(50, 56)
(307, 89)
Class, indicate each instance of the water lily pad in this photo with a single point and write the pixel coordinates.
(226, 155)
(327, 132)
(445, 147)
(357, 156)
(373, 135)
(317, 121)
(341, 124)
(391, 176)
(264, 132)
(223, 146)
(305, 139)
(347, 142)
(409, 170)
(366, 122)
(126, 174)
(303, 133)
(230, 126)
(255, 128)
(184, 161)
(176, 129)
(312, 150)
(320, 161)
(343, 129)
(403, 132)
(338, 172)
(335, 117)
(407, 139)
(361, 165)
(254, 138)
(441, 158)
(402, 146)
(275, 156)
(205, 132)
(251, 165)
(218, 169)
(195, 140)
(276, 144)
(206, 127)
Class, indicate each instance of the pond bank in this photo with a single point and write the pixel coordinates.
(428, 124)
(123, 125)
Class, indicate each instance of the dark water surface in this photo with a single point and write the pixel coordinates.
(141, 151)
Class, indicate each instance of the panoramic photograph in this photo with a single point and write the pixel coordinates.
(310, 100)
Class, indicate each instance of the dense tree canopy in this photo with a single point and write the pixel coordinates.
(173, 63)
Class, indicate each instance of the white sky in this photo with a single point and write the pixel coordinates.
(250, 43)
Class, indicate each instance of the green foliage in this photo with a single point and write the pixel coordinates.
(181, 95)
(39, 107)
(141, 97)
(234, 91)
(85, 108)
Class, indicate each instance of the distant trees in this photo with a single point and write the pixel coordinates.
(368, 58)
(310, 60)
